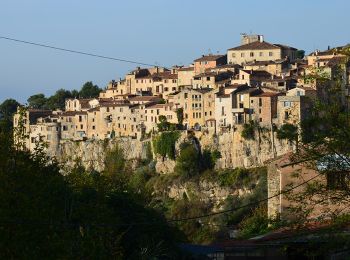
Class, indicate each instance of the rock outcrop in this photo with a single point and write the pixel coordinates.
(235, 151)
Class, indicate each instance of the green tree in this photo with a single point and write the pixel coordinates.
(180, 115)
(57, 101)
(288, 131)
(38, 101)
(8, 108)
(188, 162)
(300, 54)
(89, 90)
(248, 131)
(163, 124)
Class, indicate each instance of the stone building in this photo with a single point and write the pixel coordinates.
(260, 51)
(153, 112)
(264, 108)
(198, 106)
(208, 61)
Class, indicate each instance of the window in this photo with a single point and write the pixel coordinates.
(81, 126)
(252, 54)
(287, 104)
(261, 54)
(298, 93)
(270, 53)
(242, 55)
(186, 95)
(208, 78)
(242, 76)
(260, 119)
(222, 111)
(80, 118)
(260, 102)
(233, 55)
(93, 127)
(286, 115)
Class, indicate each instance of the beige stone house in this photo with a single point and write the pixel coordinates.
(274, 67)
(293, 109)
(185, 76)
(153, 112)
(198, 106)
(260, 51)
(264, 108)
(74, 125)
(208, 61)
(211, 79)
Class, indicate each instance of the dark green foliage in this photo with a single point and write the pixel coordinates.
(180, 116)
(196, 231)
(188, 163)
(78, 216)
(57, 101)
(253, 179)
(163, 124)
(256, 223)
(38, 101)
(300, 54)
(164, 144)
(248, 131)
(237, 177)
(89, 90)
(209, 159)
(114, 161)
(288, 131)
(8, 108)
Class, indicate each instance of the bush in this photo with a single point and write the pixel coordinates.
(188, 163)
(164, 144)
(248, 131)
(288, 131)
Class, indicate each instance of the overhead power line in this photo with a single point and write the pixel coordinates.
(79, 52)
(255, 203)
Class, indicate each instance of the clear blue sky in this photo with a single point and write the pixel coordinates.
(166, 32)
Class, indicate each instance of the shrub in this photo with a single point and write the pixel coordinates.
(248, 131)
(164, 144)
(288, 131)
(188, 163)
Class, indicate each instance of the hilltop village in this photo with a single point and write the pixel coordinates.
(257, 81)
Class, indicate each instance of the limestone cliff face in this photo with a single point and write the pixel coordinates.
(209, 192)
(235, 151)
(92, 153)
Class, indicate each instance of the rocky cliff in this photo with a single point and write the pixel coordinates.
(235, 151)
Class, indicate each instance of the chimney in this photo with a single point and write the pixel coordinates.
(261, 38)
